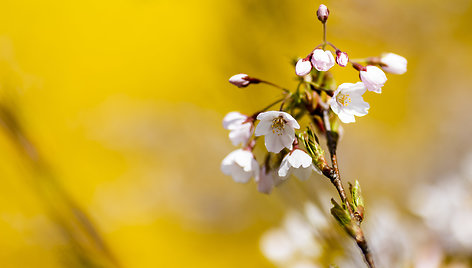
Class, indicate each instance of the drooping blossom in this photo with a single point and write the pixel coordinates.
(240, 80)
(347, 101)
(240, 128)
(322, 60)
(241, 165)
(278, 128)
(297, 163)
(393, 63)
(373, 78)
(341, 58)
(303, 67)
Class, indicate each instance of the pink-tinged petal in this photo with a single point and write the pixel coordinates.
(264, 127)
(240, 80)
(303, 67)
(374, 78)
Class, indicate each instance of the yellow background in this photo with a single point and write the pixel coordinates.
(123, 100)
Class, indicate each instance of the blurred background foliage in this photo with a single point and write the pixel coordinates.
(111, 112)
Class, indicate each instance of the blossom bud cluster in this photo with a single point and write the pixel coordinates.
(320, 101)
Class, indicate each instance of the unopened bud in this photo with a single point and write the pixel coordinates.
(323, 13)
(341, 58)
(240, 80)
(303, 67)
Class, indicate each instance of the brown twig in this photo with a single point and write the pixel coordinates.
(335, 178)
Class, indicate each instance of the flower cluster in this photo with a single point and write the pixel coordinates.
(320, 101)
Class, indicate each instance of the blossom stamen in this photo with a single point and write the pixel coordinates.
(343, 99)
(278, 125)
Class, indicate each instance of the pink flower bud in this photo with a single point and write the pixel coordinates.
(341, 58)
(322, 60)
(303, 67)
(323, 13)
(240, 80)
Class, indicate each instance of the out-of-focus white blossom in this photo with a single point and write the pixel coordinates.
(322, 60)
(278, 128)
(291, 244)
(240, 80)
(240, 129)
(373, 78)
(303, 67)
(297, 163)
(393, 63)
(241, 165)
(347, 102)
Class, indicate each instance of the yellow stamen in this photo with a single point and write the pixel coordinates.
(343, 99)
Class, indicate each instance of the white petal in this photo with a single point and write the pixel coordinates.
(290, 120)
(357, 107)
(288, 137)
(349, 88)
(273, 143)
(233, 119)
(299, 158)
(264, 127)
(284, 169)
(346, 117)
(394, 64)
(303, 173)
(269, 115)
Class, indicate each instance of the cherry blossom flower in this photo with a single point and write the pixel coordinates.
(373, 78)
(278, 128)
(240, 80)
(393, 63)
(240, 129)
(322, 60)
(341, 58)
(297, 162)
(241, 165)
(347, 102)
(303, 67)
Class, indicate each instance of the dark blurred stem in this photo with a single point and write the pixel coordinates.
(335, 179)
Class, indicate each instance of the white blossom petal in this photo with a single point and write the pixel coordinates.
(374, 78)
(241, 165)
